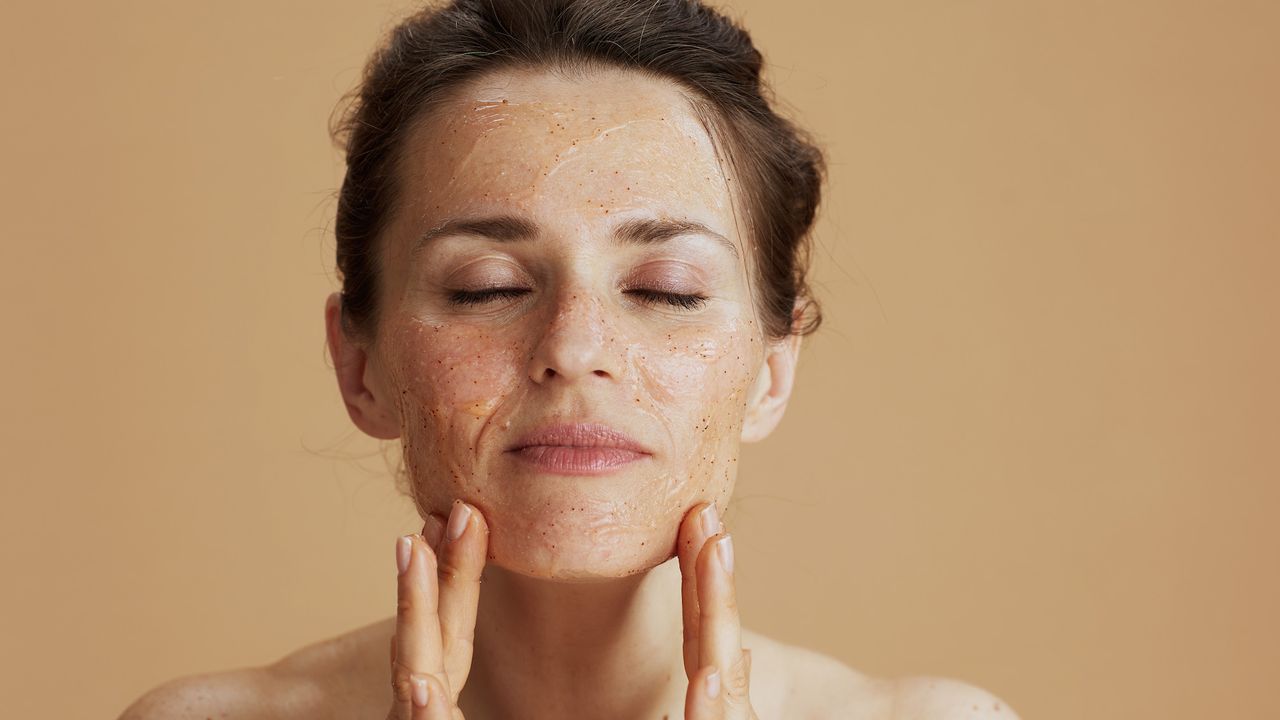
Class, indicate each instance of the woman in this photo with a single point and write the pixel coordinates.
(572, 241)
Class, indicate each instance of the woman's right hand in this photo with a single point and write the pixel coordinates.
(437, 596)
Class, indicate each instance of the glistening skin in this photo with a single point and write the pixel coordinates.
(565, 253)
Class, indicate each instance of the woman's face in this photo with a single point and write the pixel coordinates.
(567, 252)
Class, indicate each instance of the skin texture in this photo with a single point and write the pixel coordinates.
(487, 335)
(658, 339)
(458, 383)
(438, 589)
(564, 596)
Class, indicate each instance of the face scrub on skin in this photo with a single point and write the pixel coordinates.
(488, 332)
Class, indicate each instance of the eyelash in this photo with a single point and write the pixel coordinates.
(686, 302)
(478, 297)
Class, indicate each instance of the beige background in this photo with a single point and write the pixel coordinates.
(1034, 448)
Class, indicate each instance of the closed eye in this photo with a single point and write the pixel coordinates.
(479, 297)
(687, 302)
(650, 297)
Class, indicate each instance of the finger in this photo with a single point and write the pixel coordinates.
(703, 700)
(463, 553)
(746, 682)
(417, 638)
(433, 531)
(699, 524)
(720, 632)
(431, 700)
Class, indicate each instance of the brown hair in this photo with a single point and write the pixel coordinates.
(706, 54)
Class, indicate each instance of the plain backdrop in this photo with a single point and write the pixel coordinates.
(1035, 447)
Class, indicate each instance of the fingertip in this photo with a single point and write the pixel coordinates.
(709, 519)
(438, 705)
(421, 692)
(478, 519)
(463, 516)
(714, 557)
(404, 552)
(693, 528)
(459, 520)
(433, 530)
(724, 551)
(423, 565)
(475, 535)
(703, 696)
(464, 549)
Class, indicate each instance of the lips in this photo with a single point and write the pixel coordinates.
(579, 435)
(578, 449)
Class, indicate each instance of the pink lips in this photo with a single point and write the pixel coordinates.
(577, 449)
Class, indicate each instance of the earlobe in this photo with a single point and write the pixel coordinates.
(368, 410)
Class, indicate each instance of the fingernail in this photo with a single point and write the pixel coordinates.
(710, 520)
(458, 518)
(713, 684)
(420, 692)
(725, 549)
(404, 546)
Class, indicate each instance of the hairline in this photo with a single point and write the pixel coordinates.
(716, 124)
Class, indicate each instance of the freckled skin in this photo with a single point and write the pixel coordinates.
(577, 344)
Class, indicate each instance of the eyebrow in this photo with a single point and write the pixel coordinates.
(510, 228)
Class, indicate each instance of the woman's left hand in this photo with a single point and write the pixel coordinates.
(719, 669)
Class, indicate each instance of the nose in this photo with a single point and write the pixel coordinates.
(576, 342)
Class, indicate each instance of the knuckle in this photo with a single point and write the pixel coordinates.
(451, 570)
(404, 605)
(461, 644)
(401, 688)
(739, 684)
(456, 672)
(459, 566)
(738, 688)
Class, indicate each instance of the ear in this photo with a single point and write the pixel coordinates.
(772, 389)
(368, 408)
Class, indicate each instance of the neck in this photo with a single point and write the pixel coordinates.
(550, 649)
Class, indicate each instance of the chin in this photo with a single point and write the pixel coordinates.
(578, 558)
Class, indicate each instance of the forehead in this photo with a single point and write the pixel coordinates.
(561, 150)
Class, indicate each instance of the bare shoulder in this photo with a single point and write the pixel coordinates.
(303, 684)
(813, 686)
(796, 683)
(936, 698)
(249, 693)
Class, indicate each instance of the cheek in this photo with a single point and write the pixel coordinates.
(457, 368)
(452, 380)
(697, 370)
(696, 383)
